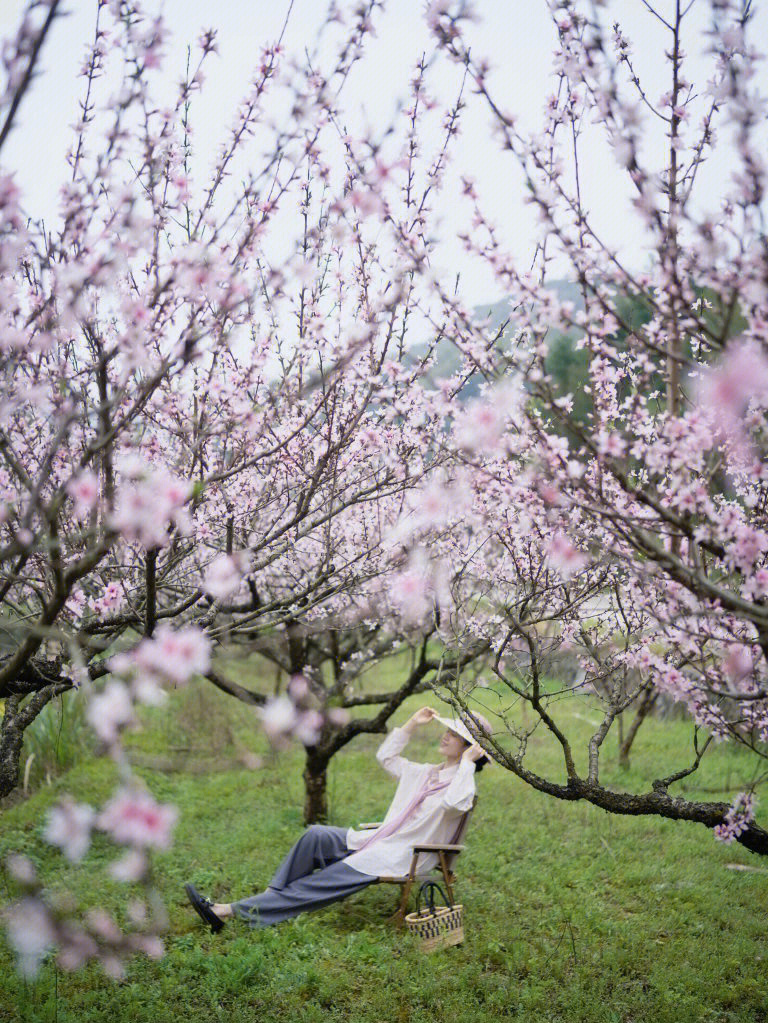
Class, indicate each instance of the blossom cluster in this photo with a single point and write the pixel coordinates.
(294, 715)
(740, 813)
(36, 925)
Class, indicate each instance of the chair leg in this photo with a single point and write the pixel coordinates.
(398, 917)
(446, 875)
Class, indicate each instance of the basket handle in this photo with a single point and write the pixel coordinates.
(428, 890)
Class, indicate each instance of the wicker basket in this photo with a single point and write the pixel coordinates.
(436, 926)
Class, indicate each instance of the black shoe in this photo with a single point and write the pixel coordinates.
(202, 907)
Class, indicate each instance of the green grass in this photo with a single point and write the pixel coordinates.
(55, 740)
(571, 914)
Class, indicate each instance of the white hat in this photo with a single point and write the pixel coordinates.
(457, 725)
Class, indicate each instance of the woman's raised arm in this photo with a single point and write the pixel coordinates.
(460, 793)
(388, 754)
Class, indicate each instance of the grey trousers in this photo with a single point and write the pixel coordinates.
(311, 876)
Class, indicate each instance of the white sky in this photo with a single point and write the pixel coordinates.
(517, 36)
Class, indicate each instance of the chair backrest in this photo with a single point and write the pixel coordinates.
(461, 829)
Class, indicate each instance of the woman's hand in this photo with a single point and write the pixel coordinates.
(422, 717)
(473, 752)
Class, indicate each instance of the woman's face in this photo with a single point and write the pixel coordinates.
(452, 745)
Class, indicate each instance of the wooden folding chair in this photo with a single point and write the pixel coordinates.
(446, 854)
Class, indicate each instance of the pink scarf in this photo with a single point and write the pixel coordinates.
(428, 787)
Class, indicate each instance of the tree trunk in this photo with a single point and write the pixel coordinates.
(646, 705)
(20, 712)
(315, 788)
(11, 741)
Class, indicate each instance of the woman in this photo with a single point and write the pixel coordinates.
(329, 863)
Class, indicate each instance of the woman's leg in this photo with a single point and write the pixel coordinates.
(304, 894)
(318, 847)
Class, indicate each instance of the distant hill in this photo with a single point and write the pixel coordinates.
(496, 313)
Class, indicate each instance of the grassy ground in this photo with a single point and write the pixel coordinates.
(571, 914)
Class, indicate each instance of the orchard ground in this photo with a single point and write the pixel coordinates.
(571, 914)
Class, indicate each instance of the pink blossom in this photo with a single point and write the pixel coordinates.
(182, 652)
(737, 819)
(738, 664)
(84, 490)
(150, 944)
(113, 596)
(132, 866)
(145, 684)
(436, 11)
(101, 924)
(564, 557)
(643, 658)
(433, 505)
(223, 576)
(148, 504)
(203, 531)
(338, 716)
(10, 193)
(132, 817)
(278, 716)
(30, 932)
(748, 546)
(549, 494)
(410, 591)
(726, 390)
(136, 911)
(76, 948)
(110, 601)
(110, 711)
(21, 868)
(282, 720)
(673, 681)
(181, 181)
(298, 687)
(76, 602)
(138, 517)
(69, 827)
(112, 965)
(366, 202)
(172, 655)
(757, 585)
(308, 727)
(610, 444)
(479, 428)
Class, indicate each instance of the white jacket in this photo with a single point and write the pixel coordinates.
(436, 820)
